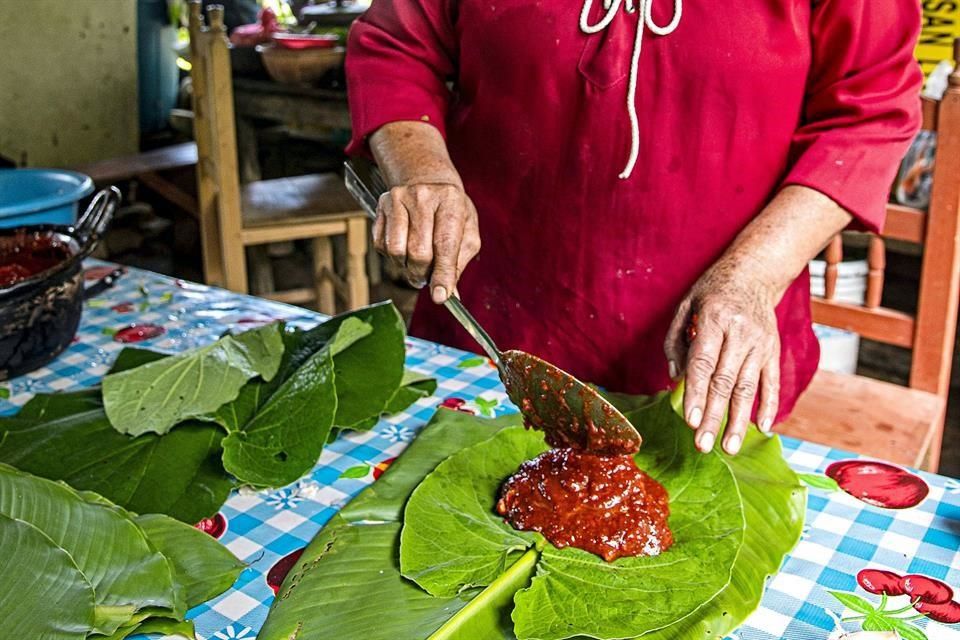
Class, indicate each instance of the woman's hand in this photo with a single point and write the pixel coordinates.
(428, 230)
(426, 224)
(724, 340)
(732, 354)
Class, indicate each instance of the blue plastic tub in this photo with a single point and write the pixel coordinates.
(41, 196)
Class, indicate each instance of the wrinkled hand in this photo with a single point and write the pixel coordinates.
(428, 230)
(724, 340)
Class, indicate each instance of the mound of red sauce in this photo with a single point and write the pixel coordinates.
(601, 504)
(26, 255)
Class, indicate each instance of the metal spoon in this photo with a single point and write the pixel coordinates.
(569, 412)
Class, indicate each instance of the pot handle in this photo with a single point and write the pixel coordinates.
(95, 219)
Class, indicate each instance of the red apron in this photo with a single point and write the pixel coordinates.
(580, 266)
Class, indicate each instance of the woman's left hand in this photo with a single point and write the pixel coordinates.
(724, 340)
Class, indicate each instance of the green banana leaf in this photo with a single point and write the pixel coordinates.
(47, 596)
(168, 628)
(82, 566)
(773, 506)
(154, 397)
(125, 570)
(202, 566)
(371, 370)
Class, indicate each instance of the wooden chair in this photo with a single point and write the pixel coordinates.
(879, 419)
(312, 207)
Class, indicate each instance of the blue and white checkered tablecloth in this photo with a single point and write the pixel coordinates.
(842, 535)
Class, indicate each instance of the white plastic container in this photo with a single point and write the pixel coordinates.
(839, 349)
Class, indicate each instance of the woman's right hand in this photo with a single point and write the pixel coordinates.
(428, 230)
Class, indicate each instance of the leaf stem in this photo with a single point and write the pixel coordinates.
(489, 601)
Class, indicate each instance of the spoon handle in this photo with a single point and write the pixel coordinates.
(367, 191)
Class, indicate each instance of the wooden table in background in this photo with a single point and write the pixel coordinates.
(302, 109)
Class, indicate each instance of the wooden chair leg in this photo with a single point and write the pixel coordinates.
(932, 459)
(358, 288)
(322, 274)
(234, 265)
(374, 266)
(261, 271)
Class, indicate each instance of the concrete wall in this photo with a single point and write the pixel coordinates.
(68, 81)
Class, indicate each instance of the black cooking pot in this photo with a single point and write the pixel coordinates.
(39, 315)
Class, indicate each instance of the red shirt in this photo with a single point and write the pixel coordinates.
(579, 266)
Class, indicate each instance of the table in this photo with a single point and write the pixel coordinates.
(841, 536)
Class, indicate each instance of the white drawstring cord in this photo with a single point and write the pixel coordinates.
(646, 21)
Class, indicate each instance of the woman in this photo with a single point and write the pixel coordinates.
(649, 180)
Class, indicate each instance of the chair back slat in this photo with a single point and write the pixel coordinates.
(881, 324)
(905, 223)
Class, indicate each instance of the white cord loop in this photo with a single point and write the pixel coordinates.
(611, 7)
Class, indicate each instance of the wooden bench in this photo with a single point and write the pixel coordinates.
(879, 419)
(147, 168)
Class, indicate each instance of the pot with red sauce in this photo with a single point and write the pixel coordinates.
(41, 285)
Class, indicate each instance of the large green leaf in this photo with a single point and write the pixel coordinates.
(448, 432)
(66, 437)
(370, 371)
(166, 627)
(126, 572)
(413, 387)
(452, 536)
(202, 566)
(156, 396)
(285, 436)
(45, 594)
(773, 503)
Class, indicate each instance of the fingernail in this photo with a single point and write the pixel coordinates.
(696, 415)
(766, 424)
(706, 441)
(439, 294)
(672, 366)
(733, 444)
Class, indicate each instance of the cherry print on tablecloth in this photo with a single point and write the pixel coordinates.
(216, 525)
(928, 596)
(381, 467)
(281, 568)
(134, 333)
(457, 404)
(879, 483)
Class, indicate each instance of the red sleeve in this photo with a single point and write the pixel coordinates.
(400, 54)
(862, 106)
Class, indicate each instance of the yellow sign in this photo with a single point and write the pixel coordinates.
(941, 24)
